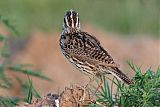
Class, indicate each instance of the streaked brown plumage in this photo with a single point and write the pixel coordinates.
(85, 52)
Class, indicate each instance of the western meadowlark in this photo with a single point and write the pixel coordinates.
(85, 52)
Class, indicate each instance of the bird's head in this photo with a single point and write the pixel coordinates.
(71, 22)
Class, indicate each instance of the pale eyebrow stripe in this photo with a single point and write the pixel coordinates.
(66, 21)
(77, 21)
(72, 18)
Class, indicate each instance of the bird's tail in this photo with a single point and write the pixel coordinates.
(120, 75)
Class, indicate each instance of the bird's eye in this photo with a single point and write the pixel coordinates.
(63, 37)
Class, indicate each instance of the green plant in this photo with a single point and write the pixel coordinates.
(6, 81)
(145, 92)
(31, 92)
(8, 102)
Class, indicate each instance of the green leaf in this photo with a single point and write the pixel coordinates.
(8, 102)
(36, 94)
(158, 72)
(4, 80)
(8, 24)
(19, 68)
(135, 68)
(29, 96)
(2, 37)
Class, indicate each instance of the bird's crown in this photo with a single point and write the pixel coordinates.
(71, 21)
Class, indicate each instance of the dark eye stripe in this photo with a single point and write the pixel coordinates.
(68, 13)
(78, 22)
(69, 20)
(74, 17)
(65, 23)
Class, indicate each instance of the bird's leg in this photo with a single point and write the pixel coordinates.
(91, 80)
(100, 84)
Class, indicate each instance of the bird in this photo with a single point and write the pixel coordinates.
(85, 51)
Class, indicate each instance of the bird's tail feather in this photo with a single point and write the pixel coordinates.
(120, 75)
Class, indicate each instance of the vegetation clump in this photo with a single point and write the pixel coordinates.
(145, 92)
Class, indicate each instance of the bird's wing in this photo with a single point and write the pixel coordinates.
(96, 52)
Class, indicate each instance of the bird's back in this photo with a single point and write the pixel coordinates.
(85, 50)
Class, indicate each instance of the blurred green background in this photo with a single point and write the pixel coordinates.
(121, 16)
